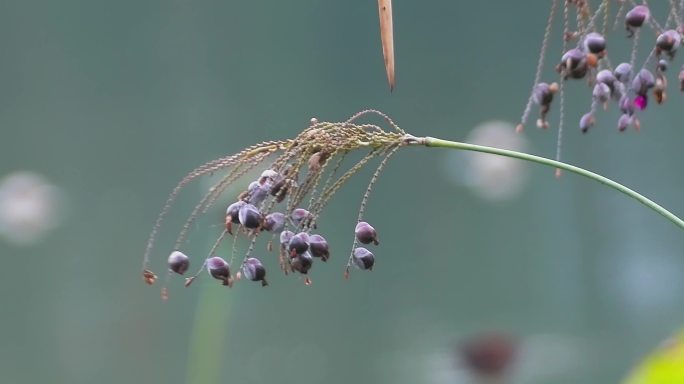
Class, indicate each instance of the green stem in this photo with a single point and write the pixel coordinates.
(439, 143)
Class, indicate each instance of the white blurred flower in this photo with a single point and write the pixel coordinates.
(490, 177)
(29, 207)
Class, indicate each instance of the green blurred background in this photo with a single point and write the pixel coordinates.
(113, 101)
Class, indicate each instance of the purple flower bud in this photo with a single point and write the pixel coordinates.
(586, 122)
(178, 262)
(274, 222)
(318, 247)
(219, 270)
(302, 262)
(249, 216)
(365, 233)
(594, 42)
(363, 258)
(254, 270)
(623, 72)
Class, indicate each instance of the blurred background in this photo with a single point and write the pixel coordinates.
(105, 105)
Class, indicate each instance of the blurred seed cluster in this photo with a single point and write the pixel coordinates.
(628, 82)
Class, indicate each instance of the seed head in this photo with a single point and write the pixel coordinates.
(624, 121)
(258, 191)
(302, 263)
(668, 42)
(178, 262)
(573, 64)
(300, 217)
(285, 237)
(586, 122)
(601, 92)
(643, 81)
(318, 247)
(274, 222)
(249, 216)
(594, 43)
(636, 17)
(254, 270)
(363, 258)
(365, 233)
(219, 270)
(298, 244)
(623, 72)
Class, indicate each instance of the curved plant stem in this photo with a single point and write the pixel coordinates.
(439, 143)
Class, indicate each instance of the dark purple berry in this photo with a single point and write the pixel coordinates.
(249, 216)
(318, 247)
(178, 262)
(635, 18)
(302, 262)
(623, 72)
(586, 122)
(594, 42)
(298, 244)
(365, 233)
(254, 270)
(274, 222)
(300, 217)
(363, 258)
(219, 270)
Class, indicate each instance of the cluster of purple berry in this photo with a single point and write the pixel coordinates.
(275, 203)
(628, 84)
